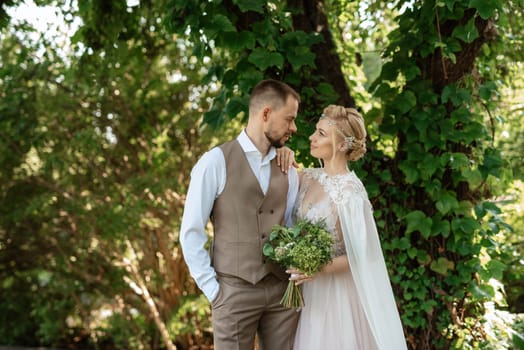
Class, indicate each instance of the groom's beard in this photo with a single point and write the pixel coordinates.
(277, 142)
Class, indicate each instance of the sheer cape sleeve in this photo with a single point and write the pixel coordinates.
(367, 265)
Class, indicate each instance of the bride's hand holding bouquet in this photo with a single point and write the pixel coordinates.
(302, 250)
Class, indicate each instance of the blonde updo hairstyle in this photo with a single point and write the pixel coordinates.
(349, 124)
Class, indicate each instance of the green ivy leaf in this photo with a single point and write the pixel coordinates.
(483, 208)
(447, 92)
(263, 59)
(487, 90)
(405, 101)
(417, 221)
(214, 117)
(426, 49)
(492, 162)
(423, 257)
(265, 33)
(467, 33)
(446, 203)
(409, 171)
(250, 5)
(385, 176)
(452, 45)
(452, 57)
(420, 293)
(412, 252)
(442, 266)
(465, 225)
(300, 56)
(482, 292)
(456, 96)
(299, 38)
(448, 3)
(404, 243)
(496, 269)
(236, 105)
(486, 8)
(473, 131)
(230, 78)
(441, 227)
(421, 120)
(326, 90)
(458, 161)
(428, 166)
(426, 95)
(393, 244)
(428, 306)
(238, 41)
(411, 72)
(389, 71)
(433, 187)
(219, 23)
(461, 114)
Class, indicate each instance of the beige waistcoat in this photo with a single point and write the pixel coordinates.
(243, 216)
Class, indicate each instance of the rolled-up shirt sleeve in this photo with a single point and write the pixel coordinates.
(207, 181)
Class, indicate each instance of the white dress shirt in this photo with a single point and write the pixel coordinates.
(208, 179)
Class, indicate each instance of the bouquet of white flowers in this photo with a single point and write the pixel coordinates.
(306, 246)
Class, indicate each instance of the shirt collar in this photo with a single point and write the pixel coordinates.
(249, 147)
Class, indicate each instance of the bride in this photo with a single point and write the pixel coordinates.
(350, 303)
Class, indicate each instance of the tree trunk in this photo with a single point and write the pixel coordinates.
(442, 71)
(311, 18)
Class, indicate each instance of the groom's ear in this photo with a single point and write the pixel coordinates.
(265, 113)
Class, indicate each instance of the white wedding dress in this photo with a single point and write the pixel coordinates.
(352, 310)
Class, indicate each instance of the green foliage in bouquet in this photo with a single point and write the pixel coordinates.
(306, 246)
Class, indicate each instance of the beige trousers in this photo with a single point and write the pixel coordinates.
(242, 310)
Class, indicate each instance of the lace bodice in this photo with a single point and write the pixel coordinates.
(319, 195)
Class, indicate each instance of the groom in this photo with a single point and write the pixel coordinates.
(240, 187)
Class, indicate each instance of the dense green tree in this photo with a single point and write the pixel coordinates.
(97, 141)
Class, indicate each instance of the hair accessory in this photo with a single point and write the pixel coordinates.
(349, 140)
(330, 121)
